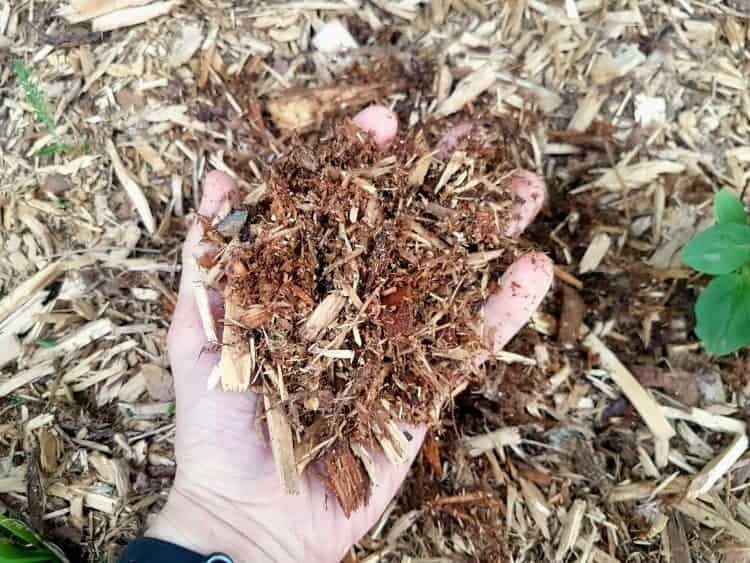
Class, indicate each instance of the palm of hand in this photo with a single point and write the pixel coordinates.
(227, 495)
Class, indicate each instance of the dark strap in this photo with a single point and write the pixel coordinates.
(151, 550)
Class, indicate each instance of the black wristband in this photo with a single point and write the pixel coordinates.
(151, 550)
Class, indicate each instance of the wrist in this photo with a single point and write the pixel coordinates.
(202, 523)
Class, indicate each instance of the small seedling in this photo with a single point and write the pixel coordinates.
(722, 311)
(20, 544)
(36, 100)
(46, 343)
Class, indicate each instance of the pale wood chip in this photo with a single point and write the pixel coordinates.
(282, 446)
(469, 89)
(588, 109)
(704, 481)
(128, 17)
(14, 480)
(635, 175)
(85, 335)
(498, 439)
(595, 253)
(706, 419)
(29, 288)
(10, 348)
(537, 505)
(571, 528)
(93, 500)
(134, 191)
(236, 364)
(644, 403)
(323, 316)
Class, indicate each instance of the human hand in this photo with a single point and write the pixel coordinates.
(227, 496)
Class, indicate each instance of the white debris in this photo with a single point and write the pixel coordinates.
(650, 110)
(333, 37)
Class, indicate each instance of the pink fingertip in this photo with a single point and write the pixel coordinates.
(521, 290)
(529, 189)
(380, 121)
(217, 187)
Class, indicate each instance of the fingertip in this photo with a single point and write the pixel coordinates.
(529, 190)
(217, 187)
(380, 121)
(542, 264)
(521, 290)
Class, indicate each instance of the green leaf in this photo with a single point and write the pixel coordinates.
(723, 314)
(15, 535)
(720, 249)
(16, 528)
(46, 343)
(14, 553)
(729, 209)
(34, 95)
(49, 150)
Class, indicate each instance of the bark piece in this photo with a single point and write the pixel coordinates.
(301, 109)
(347, 478)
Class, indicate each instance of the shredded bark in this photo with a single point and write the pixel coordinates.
(359, 276)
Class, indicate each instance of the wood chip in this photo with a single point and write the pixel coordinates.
(134, 191)
(29, 288)
(305, 109)
(537, 506)
(644, 403)
(468, 89)
(132, 16)
(236, 363)
(25, 377)
(571, 529)
(498, 439)
(280, 435)
(636, 175)
(323, 315)
(595, 253)
(571, 318)
(704, 481)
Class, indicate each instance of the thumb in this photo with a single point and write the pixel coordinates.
(186, 334)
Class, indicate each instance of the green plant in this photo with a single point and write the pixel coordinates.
(36, 100)
(722, 310)
(20, 544)
(46, 343)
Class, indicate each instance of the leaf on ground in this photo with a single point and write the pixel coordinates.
(729, 209)
(16, 529)
(718, 250)
(14, 553)
(723, 314)
(49, 150)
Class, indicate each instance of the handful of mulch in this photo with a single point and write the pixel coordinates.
(353, 279)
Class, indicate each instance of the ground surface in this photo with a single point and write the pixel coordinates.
(641, 110)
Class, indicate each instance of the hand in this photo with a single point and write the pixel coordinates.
(226, 495)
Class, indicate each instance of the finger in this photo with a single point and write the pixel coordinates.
(380, 121)
(521, 290)
(186, 332)
(528, 189)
